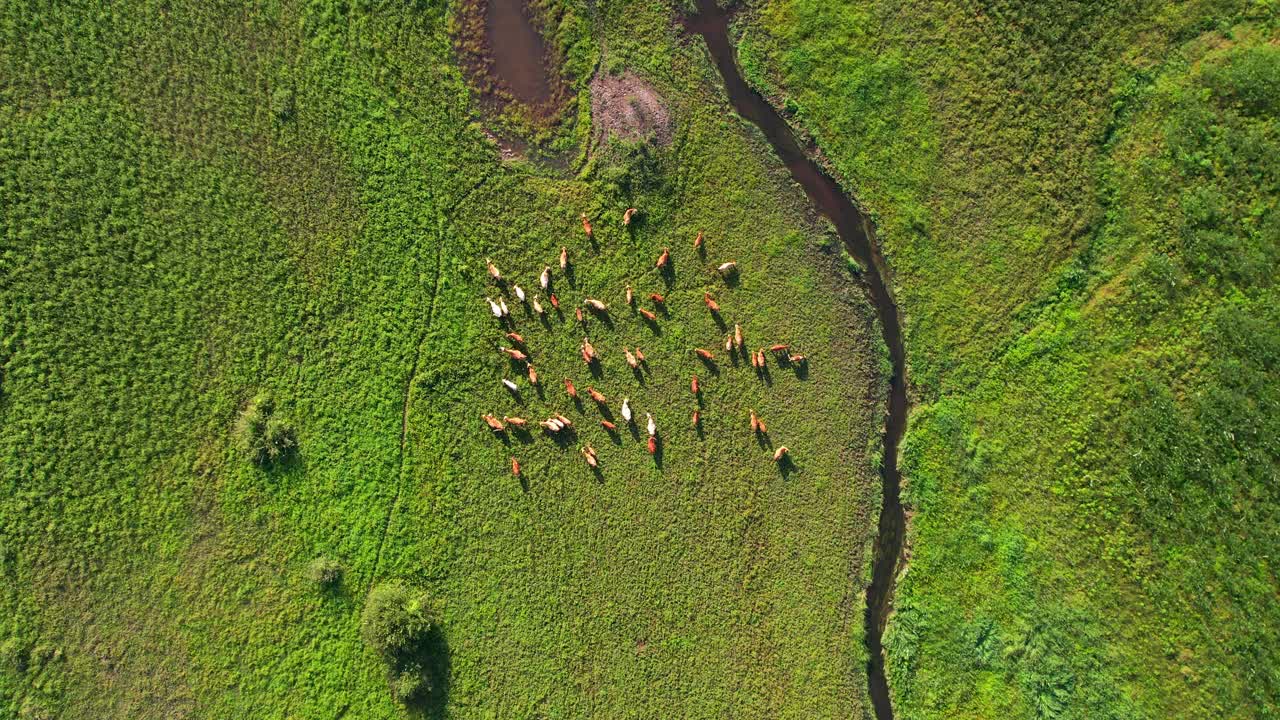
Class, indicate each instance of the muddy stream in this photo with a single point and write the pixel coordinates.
(519, 54)
(711, 22)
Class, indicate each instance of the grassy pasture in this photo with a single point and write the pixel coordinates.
(205, 204)
(1079, 203)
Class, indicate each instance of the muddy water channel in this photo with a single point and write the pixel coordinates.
(711, 22)
(518, 50)
(516, 75)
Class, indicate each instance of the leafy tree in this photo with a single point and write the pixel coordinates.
(410, 685)
(397, 624)
(395, 620)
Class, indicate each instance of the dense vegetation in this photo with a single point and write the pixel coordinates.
(245, 351)
(1079, 201)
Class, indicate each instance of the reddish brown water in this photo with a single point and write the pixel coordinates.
(518, 51)
(711, 22)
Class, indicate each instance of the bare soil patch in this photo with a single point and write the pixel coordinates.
(626, 107)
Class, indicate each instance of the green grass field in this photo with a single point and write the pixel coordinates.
(204, 205)
(209, 210)
(1079, 202)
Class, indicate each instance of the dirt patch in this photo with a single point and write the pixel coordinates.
(626, 107)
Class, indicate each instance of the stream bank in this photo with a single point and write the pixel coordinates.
(711, 22)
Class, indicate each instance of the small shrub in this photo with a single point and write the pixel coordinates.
(851, 263)
(395, 620)
(34, 709)
(283, 104)
(14, 656)
(397, 624)
(325, 572)
(410, 685)
(631, 167)
(262, 436)
(1154, 287)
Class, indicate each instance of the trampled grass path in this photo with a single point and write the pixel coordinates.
(413, 376)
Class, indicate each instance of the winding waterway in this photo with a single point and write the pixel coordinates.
(712, 23)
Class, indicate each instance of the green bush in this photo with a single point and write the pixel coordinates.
(33, 709)
(262, 436)
(410, 684)
(395, 621)
(397, 624)
(325, 572)
(631, 167)
(1250, 79)
(283, 104)
(14, 656)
